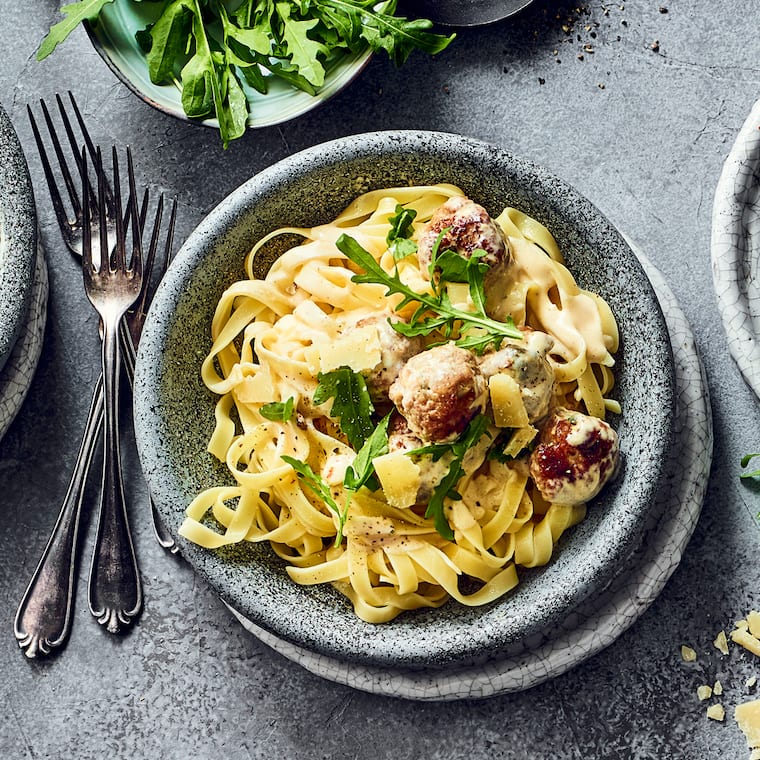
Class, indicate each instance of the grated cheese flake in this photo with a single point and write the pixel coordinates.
(716, 712)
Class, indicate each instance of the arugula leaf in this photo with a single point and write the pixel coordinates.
(320, 488)
(398, 36)
(303, 52)
(358, 474)
(361, 469)
(745, 461)
(452, 322)
(446, 488)
(398, 237)
(74, 14)
(278, 411)
(352, 405)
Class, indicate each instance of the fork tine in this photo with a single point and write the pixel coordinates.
(87, 140)
(55, 195)
(136, 264)
(118, 251)
(62, 163)
(86, 221)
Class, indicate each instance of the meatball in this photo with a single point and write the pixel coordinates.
(468, 228)
(575, 456)
(439, 391)
(395, 350)
(525, 361)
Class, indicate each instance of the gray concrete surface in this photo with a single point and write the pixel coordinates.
(640, 128)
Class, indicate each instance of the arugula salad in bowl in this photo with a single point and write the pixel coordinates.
(233, 65)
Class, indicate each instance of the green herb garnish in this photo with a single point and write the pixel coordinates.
(359, 473)
(278, 411)
(212, 52)
(352, 405)
(475, 330)
(446, 488)
(399, 236)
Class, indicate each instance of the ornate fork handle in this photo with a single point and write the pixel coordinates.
(115, 589)
(43, 619)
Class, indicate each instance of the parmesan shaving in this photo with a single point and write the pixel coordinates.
(753, 621)
(744, 638)
(716, 712)
(506, 399)
(399, 477)
(747, 715)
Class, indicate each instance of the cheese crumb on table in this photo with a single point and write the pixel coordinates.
(718, 688)
(688, 654)
(704, 692)
(716, 712)
(744, 638)
(721, 642)
(751, 682)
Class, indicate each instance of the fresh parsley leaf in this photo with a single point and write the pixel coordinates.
(473, 330)
(74, 14)
(352, 405)
(278, 411)
(399, 236)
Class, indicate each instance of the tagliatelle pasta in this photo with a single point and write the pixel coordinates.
(275, 338)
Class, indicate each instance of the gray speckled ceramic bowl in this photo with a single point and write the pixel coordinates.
(174, 412)
(18, 237)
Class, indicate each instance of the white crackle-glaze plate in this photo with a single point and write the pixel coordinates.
(16, 375)
(605, 616)
(113, 36)
(735, 248)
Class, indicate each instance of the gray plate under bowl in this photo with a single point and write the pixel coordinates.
(174, 411)
(18, 237)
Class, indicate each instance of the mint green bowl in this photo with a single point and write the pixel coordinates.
(113, 36)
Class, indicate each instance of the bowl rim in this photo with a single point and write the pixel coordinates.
(18, 236)
(388, 643)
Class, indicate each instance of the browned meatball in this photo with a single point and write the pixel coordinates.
(525, 361)
(395, 350)
(439, 391)
(575, 456)
(468, 228)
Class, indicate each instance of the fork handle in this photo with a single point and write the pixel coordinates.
(115, 589)
(163, 537)
(43, 618)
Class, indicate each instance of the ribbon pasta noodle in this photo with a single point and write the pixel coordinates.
(271, 339)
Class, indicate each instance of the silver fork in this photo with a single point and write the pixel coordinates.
(113, 285)
(72, 232)
(43, 618)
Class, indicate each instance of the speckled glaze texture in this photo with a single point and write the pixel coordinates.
(601, 618)
(174, 412)
(735, 248)
(16, 376)
(18, 238)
